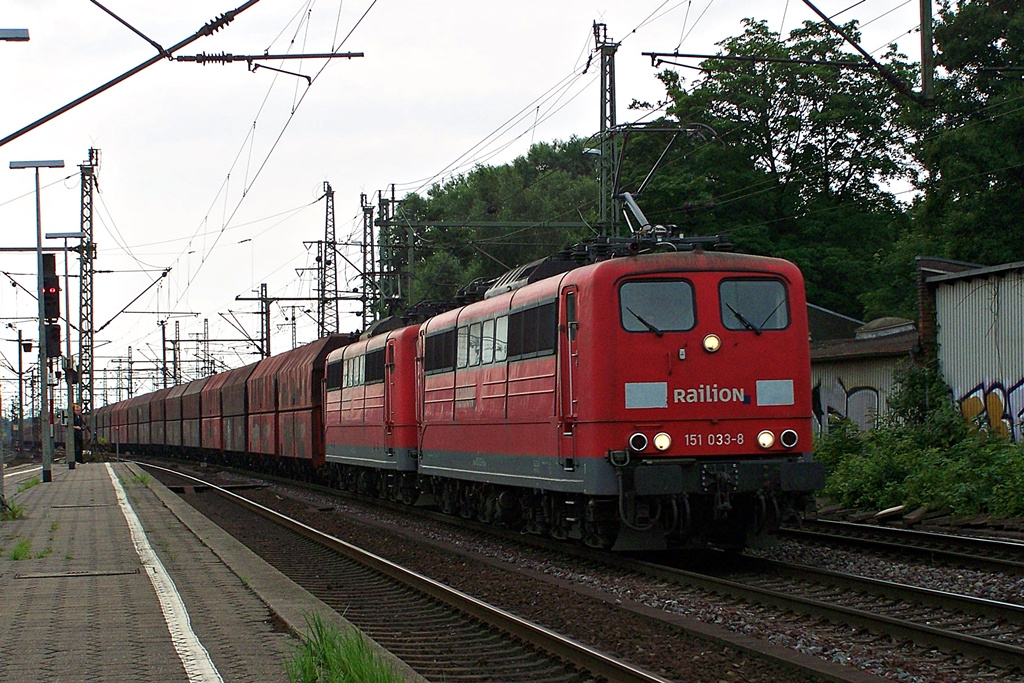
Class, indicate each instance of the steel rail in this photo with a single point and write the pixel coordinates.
(545, 639)
(998, 653)
(984, 607)
(974, 551)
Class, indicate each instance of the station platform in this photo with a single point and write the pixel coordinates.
(108, 576)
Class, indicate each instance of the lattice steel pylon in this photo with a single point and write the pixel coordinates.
(371, 288)
(390, 277)
(90, 180)
(609, 142)
(327, 269)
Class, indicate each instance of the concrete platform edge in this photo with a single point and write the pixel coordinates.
(285, 598)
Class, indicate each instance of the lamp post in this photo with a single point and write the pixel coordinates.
(44, 409)
(21, 395)
(70, 443)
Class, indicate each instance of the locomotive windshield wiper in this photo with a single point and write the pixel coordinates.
(777, 307)
(643, 322)
(746, 323)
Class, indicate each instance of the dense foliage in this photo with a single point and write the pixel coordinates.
(813, 160)
(923, 453)
(817, 142)
(554, 183)
(969, 149)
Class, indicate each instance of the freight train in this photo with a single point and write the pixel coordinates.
(630, 394)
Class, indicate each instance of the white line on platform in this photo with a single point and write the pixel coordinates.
(193, 655)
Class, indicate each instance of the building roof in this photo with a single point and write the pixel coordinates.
(825, 324)
(977, 272)
(900, 341)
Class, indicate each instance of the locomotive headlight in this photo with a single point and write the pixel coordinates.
(765, 439)
(662, 441)
(788, 438)
(712, 343)
(638, 442)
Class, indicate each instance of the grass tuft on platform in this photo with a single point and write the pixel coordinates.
(329, 656)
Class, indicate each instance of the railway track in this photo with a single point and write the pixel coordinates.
(439, 632)
(939, 623)
(982, 629)
(970, 551)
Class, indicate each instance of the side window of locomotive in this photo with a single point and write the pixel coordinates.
(475, 344)
(532, 331)
(501, 338)
(657, 306)
(334, 373)
(463, 347)
(547, 328)
(570, 315)
(487, 342)
(439, 352)
(374, 367)
(754, 304)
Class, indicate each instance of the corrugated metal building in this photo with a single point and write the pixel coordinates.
(979, 316)
(853, 377)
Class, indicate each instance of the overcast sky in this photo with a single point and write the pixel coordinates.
(214, 171)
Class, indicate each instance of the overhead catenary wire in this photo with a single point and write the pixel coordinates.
(249, 183)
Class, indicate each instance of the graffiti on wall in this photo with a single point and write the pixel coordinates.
(996, 407)
(860, 404)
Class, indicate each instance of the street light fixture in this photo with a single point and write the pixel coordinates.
(44, 409)
(14, 34)
(70, 442)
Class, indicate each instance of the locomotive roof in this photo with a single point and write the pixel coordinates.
(589, 252)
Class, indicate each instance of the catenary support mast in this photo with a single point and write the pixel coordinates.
(609, 144)
(371, 288)
(90, 180)
(327, 265)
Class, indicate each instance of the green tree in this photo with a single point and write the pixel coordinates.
(973, 148)
(809, 149)
(970, 151)
(554, 183)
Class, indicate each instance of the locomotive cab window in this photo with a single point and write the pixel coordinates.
(754, 304)
(657, 306)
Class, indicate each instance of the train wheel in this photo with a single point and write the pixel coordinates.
(367, 483)
(599, 535)
(446, 501)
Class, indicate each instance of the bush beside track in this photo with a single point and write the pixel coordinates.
(923, 453)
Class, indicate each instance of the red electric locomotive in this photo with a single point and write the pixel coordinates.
(638, 402)
(370, 415)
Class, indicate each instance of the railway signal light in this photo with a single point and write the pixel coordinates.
(51, 288)
(52, 341)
